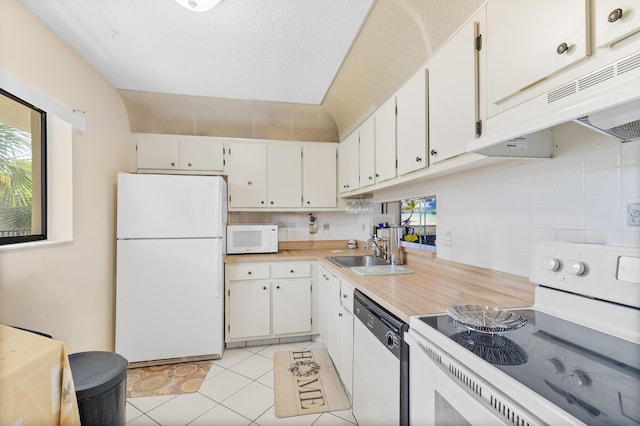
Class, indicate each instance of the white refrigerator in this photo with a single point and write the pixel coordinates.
(169, 270)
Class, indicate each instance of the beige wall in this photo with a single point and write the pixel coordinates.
(67, 290)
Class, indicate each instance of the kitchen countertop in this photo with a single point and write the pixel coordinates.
(434, 285)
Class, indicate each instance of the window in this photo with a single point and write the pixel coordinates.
(418, 217)
(22, 171)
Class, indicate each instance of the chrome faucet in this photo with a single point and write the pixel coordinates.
(380, 246)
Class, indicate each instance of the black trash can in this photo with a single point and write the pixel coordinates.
(100, 382)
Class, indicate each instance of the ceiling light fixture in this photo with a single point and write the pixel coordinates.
(198, 5)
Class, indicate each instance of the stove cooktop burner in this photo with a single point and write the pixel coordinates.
(494, 348)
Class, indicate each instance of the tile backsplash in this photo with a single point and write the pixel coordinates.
(294, 226)
(493, 216)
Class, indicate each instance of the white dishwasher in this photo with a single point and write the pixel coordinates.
(380, 365)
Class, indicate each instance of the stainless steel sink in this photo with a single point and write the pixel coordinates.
(350, 261)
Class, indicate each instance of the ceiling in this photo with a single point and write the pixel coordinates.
(271, 69)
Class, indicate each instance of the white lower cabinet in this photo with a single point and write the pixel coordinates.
(337, 325)
(267, 299)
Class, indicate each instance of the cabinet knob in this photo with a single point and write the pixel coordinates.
(189, 164)
(249, 183)
(278, 287)
(308, 202)
(340, 314)
(264, 287)
(418, 159)
(249, 273)
(261, 202)
(562, 48)
(173, 164)
(271, 203)
(615, 15)
(344, 296)
(434, 152)
(377, 175)
(370, 177)
(292, 271)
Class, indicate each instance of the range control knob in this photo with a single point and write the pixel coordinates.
(553, 366)
(551, 264)
(578, 378)
(575, 267)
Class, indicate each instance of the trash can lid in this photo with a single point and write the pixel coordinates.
(96, 372)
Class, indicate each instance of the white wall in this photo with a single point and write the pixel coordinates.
(496, 214)
(67, 290)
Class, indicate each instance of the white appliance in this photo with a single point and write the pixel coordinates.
(169, 279)
(380, 365)
(576, 360)
(252, 239)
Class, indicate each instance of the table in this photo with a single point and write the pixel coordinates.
(36, 386)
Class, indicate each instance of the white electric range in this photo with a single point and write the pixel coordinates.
(575, 361)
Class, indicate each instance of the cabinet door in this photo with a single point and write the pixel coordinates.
(453, 95)
(322, 294)
(349, 161)
(247, 179)
(334, 313)
(343, 166)
(367, 152)
(346, 350)
(249, 309)
(319, 164)
(385, 141)
(520, 53)
(284, 175)
(411, 124)
(158, 153)
(291, 305)
(200, 155)
(615, 20)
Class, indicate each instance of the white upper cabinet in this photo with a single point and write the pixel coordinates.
(453, 94)
(284, 175)
(201, 154)
(529, 41)
(180, 153)
(349, 163)
(247, 174)
(412, 143)
(385, 141)
(615, 20)
(319, 164)
(367, 152)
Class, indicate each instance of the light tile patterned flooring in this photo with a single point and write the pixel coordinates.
(237, 391)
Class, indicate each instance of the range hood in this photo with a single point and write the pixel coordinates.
(621, 122)
(606, 100)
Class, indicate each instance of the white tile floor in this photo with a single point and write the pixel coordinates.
(237, 391)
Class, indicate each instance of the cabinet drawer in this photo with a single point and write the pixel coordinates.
(290, 269)
(248, 271)
(346, 296)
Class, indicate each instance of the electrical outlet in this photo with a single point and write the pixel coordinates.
(633, 214)
(444, 239)
(325, 226)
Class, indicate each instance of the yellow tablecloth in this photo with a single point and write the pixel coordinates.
(36, 386)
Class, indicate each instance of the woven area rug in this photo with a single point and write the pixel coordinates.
(306, 383)
(170, 379)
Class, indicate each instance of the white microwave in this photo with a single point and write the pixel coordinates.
(252, 239)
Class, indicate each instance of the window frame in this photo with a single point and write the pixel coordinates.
(16, 239)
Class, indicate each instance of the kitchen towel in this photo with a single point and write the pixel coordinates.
(307, 383)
